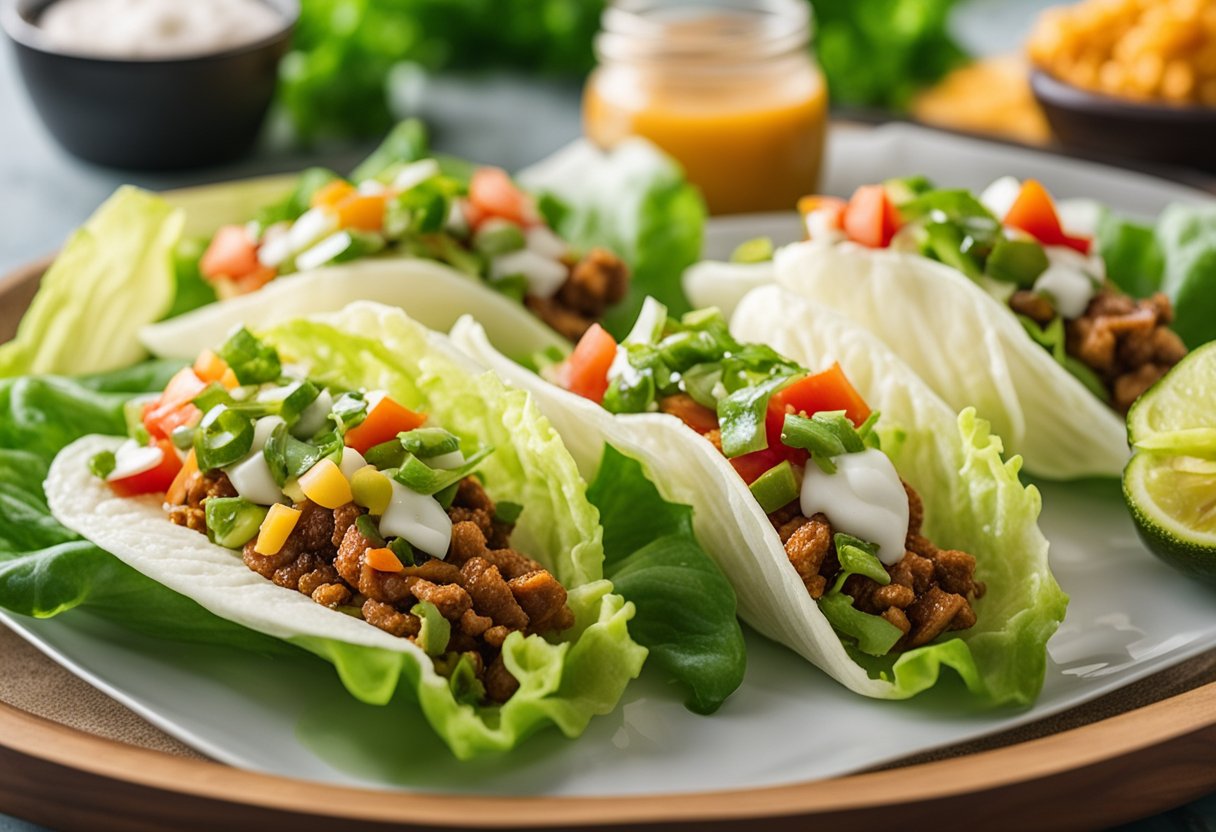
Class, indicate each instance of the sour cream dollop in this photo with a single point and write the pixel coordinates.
(156, 28)
(864, 498)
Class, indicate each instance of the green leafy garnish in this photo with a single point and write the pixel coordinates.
(416, 475)
(429, 442)
(102, 464)
(874, 635)
(232, 521)
(1052, 338)
(367, 527)
(224, 436)
(507, 512)
(827, 434)
(741, 415)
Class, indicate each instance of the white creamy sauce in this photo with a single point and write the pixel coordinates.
(864, 498)
(1071, 280)
(419, 519)
(821, 227)
(544, 276)
(156, 28)
(1000, 196)
(351, 462)
(314, 416)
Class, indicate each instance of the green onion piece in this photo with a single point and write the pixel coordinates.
(223, 437)
(303, 394)
(514, 286)
(683, 350)
(428, 442)
(447, 496)
(252, 361)
(436, 630)
(388, 454)
(212, 395)
(755, 250)
(348, 411)
(869, 436)
(776, 487)
(817, 437)
(367, 528)
(702, 383)
(650, 323)
(182, 437)
(506, 512)
(875, 636)
(947, 242)
(416, 475)
(133, 415)
(1016, 261)
(741, 416)
(902, 190)
(404, 551)
(232, 521)
(635, 389)
(289, 457)
(857, 557)
(499, 239)
(423, 209)
(103, 463)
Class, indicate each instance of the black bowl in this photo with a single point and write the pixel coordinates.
(150, 114)
(1091, 123)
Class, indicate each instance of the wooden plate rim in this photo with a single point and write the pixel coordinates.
(1129, 746)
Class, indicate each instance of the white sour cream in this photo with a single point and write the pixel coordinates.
(864, 498)
(251, 476)
(419, 519)
(156, 28)
(1071, 280)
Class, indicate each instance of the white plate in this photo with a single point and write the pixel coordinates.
(1130, 616)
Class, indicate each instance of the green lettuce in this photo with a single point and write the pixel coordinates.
(635, 201)
(686, 607)
(973, 501)
(114, 274)
(562, 683)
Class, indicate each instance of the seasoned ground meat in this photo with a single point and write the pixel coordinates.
(598, 281)
(930, 590)
(199, 487)
(486, 589)
(1126, 342)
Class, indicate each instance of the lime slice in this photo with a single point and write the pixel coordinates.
(1170, 484)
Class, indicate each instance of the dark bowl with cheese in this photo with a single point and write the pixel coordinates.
(158, 112)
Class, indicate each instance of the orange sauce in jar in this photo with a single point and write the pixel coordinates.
(727, 88)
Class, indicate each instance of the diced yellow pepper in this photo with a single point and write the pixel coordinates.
(371, 489)
(326, 485)
(276, 528)
(292, 490)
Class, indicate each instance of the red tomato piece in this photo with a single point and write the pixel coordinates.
(232, 253)
(1035, 213)
(870, 218)
(492, 191)
(385, 421)
(585, 372)
(828, 390)
(751, 466)
(174, 407)
(153, 481)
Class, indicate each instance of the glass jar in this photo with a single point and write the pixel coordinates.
(728, 87)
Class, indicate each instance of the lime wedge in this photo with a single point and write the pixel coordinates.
(1170, 483)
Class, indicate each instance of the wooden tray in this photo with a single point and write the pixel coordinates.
(1143, 749)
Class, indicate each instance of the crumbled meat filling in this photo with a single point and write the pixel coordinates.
(1126, 342)
(598, 281)
(486, 589)
(931, 589)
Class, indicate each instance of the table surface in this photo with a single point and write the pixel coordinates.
(48, 193)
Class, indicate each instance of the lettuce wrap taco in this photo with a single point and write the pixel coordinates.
(989, 300)
(356, 487)
(862, 522)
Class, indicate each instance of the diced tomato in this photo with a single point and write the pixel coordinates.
(751, 466)
(331, 194)
(176, 495)
(697, 416)
(154, 481)
(585, 372)
(232, 253)
(385, 421)
(870, 218)
(364, 212)
(1035, 213)
(492, 191)
(828, 390)
(174, 407)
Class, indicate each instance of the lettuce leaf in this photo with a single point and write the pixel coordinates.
(635, 201)
(969, 349)
(114, 274)
(973, 502)
(1187, 236)
(976, 502)
(433, 294)
(686, 607)
(1133, 259)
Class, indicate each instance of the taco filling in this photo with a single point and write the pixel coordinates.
(345, 496)
(1010, 241)
(806, 445)
(474, 219)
